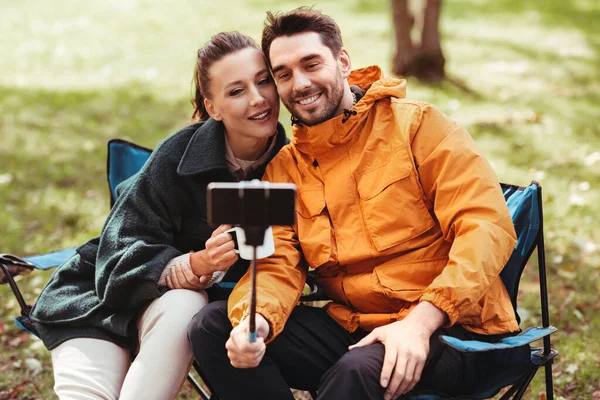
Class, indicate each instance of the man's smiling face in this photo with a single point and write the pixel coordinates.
(310, 79)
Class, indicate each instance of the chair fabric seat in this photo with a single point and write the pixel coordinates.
(490, 386)
(523, 338)
(50, 260)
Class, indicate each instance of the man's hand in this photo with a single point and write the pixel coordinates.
(242, 353)
(406, 348)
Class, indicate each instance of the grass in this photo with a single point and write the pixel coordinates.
(525, 81)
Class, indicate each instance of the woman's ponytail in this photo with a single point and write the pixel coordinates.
(200, 113)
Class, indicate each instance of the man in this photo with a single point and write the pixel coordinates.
(403, 221)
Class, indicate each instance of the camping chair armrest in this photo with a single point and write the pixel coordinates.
(13, 266)
(523, 338)
(22, 266)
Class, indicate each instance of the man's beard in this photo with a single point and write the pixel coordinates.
(333, 100)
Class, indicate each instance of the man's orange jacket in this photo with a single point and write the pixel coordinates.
(396, 205)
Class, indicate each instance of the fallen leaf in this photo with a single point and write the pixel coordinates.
(566, 274)
(19, 340)
(570, 388)
(533, 117)
(571, 368)
(584, 186)
(5, 179)
(576, 199)
(579, 316)
(33, 365)
(592, 158)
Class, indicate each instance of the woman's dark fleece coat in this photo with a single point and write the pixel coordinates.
(160, 214)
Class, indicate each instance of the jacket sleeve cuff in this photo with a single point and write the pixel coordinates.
(183, 259)
(443, 304)
(239, 312)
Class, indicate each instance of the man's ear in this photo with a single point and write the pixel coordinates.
(345, 63)
(211, 110)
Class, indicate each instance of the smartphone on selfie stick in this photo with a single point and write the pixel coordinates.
(254, 206)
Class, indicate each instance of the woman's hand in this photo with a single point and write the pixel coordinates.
(218, 255)
(182, 277)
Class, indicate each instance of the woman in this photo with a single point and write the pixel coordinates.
(134, 289)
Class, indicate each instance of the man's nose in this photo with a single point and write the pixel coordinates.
(301, 82)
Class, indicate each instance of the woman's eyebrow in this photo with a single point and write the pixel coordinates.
(261, 72)
(239, 82)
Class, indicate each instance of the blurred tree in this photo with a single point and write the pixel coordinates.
(425, 59)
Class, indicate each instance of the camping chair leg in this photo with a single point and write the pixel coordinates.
(203, 394)
(541, 250)
(549, 385)
(15, 289)
(523, 387)
(201, 391)
(510, 392)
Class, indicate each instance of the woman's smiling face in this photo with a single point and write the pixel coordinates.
(243, 95)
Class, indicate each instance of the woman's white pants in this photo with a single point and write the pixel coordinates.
(96, 369)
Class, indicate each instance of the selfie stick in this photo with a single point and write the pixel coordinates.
(252, 321)
(255, 236)
(258, 205)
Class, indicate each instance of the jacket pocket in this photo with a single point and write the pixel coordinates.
(405, 283)
(314, 229)
(391, 201)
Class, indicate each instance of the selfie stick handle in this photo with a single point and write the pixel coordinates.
(252, 312)
(254, 237)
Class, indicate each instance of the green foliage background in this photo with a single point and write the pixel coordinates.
(525, 81)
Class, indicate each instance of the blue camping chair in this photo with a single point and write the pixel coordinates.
(525, 205)
(125, 159)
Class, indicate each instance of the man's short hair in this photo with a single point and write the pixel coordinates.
(301, 20)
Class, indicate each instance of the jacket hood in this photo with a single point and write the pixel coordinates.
(371, 80)
(320, 137)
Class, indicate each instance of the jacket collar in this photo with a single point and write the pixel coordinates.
(321, 138)
(205, 151)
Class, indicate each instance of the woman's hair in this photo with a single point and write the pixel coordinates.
(301, 20)
(219, 46)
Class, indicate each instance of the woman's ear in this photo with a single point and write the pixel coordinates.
(211, 110)
(345, 63)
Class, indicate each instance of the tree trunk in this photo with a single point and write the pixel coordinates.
(405, 51)
(425, 60)
(430, 61)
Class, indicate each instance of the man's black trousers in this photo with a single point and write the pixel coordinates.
(312, 354)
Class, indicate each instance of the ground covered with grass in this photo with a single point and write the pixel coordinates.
(524, 80)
